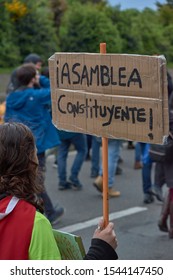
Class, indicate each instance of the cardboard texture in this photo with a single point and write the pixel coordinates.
(70, 245)
(110, 95)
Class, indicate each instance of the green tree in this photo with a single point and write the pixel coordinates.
(168, 43)
(126, 21)
(84, 27)
(26, 27)
(58, 8)
(166, 12)
(35, 30)
(9, 51)
(149, 31)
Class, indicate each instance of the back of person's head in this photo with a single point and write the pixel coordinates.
(25, 73)
(18, 162)
(32, 57)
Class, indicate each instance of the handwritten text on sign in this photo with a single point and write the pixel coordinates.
(114, 96)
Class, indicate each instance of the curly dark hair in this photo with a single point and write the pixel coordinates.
(18, 164)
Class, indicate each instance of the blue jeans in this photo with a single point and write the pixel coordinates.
(113, 157)
(80, 143)
(95, 158)
(146, 169)
(137, 152)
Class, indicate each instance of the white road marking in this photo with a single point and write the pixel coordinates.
(94, 222)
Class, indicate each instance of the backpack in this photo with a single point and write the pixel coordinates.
(162, 152)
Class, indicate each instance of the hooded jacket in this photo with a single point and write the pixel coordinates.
(30, 106)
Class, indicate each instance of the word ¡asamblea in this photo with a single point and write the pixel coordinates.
(104, 75)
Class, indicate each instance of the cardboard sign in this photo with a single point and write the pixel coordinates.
(110, 95)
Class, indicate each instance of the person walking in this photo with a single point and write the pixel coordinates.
(146, 174)
(79, 142)
(25, 233)
(95, 156)
(14, 82)
(28, 105)
(114, 146)
(137, 161)
(164, 174)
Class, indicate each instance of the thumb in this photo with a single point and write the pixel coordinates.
(101, 224)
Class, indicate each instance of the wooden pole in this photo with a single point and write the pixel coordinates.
(105, 165)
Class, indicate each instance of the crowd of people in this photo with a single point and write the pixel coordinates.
(26, 134)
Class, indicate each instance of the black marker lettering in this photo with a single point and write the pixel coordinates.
(121, 76)
(135, 78)
(65, 73)
(151, 119)
(76, 73)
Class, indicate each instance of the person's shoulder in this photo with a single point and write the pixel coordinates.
(41, 219)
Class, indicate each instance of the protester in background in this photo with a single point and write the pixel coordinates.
(79, 141)
(25, 233)
(89, 146)
(28, 105)
(114, 146)
(14, 83)
(146, 174)
(137, 163)
(95, 156)
(45, 73)
(164, 174)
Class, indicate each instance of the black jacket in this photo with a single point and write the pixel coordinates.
(100, 250)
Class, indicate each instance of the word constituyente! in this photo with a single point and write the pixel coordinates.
(77, 74)
(91, 109)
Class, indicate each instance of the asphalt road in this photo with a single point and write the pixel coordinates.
(135, 222)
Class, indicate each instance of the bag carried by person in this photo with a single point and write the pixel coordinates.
(70, 246)
(164, 152)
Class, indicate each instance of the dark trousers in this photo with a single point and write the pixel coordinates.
(48, 206)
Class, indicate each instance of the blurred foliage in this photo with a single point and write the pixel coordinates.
(84, 28)
(47, 26)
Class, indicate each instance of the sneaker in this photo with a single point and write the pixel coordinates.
(98, 183)
(163, 226)
(54, 219)
(64, 186)
(113, 193)
(157, 192)
(75, 184)
(148, 198)
(119, 171)
(120, 160)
